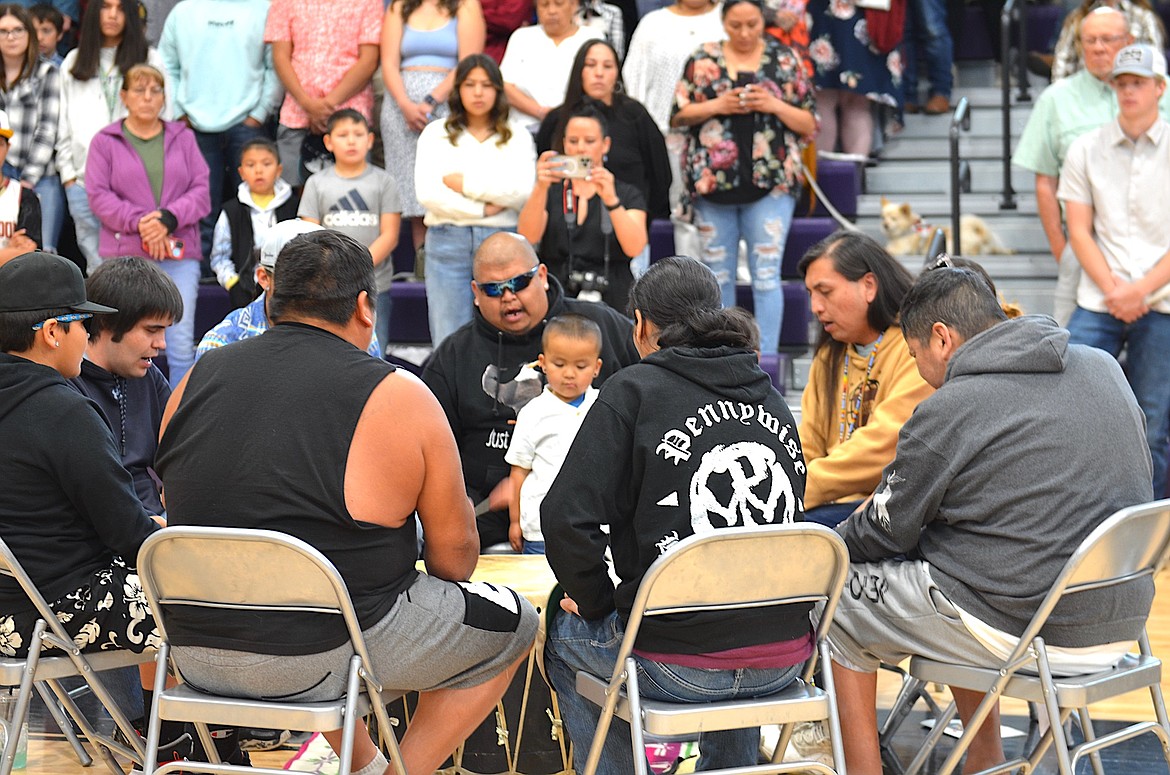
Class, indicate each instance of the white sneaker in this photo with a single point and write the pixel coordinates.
(810, 742)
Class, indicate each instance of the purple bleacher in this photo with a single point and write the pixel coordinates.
(797, 314)
(211, 307)
(661, 239)
(804, 233)
(841, 182)
(1042, 27)
(776, 366)
(403, 253)
(408, 319)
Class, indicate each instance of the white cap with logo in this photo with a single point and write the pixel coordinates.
(279, 236)
(1142, 60)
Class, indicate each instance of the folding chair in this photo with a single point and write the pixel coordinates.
(257, 571)
(1131, 544)
(734, 568)
(43, 668)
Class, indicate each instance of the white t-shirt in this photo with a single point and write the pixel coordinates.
(545, 429)
(540, 67)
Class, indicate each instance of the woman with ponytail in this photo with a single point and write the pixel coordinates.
(694, 438)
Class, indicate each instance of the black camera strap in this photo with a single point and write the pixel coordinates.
(569, 208)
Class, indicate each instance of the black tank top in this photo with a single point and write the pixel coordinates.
(260, 440)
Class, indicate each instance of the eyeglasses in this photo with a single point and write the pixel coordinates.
(72, 316)
(1108, 40)
(13, 33)
(142, 91)
(515, 284)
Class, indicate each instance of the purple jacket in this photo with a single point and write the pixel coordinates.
(120, 194)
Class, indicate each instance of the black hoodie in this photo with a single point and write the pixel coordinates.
(67, 505)
(688, 441)
(483, 377)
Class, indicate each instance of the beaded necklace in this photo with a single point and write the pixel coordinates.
(850, 415)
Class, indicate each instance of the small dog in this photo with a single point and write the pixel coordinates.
(909, 235)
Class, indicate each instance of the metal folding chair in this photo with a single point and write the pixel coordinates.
(735, 568)
(259, 571)
(1132, 544)
(52, 655)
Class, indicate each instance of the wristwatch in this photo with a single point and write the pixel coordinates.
(434, 103)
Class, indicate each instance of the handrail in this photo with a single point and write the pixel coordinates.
(960, 119)
(937, 247)
(1012, 10)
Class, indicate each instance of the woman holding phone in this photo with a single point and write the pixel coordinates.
(748, 108)
(585, 224)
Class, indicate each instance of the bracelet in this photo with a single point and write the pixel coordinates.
(434, 103)
(613, 207)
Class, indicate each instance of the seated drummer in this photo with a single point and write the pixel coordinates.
(351, 448)
(637, 467)
(68, 509)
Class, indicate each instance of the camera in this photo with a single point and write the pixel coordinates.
(587, 282)
(573, 166)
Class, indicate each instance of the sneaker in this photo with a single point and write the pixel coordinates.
(937, 105)
(263, 739)
(810, 742)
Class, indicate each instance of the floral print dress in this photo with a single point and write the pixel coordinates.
(840, 51)
(711, 159)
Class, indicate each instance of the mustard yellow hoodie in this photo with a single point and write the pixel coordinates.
(849, 470)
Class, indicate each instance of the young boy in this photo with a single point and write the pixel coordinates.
(262, 201)
(357, 199)
(50, 26)
(20, 210)
(546, 426)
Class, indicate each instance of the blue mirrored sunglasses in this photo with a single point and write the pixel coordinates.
(72, 316)
(514, 284)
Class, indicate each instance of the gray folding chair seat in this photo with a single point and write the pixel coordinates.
(257, 571)
(52, 655)
(734, 568)
(1131, 544)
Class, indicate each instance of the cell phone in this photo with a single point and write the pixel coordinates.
(176, 248)
(745, 79)
(573, 166)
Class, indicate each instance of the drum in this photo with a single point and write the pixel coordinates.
(524, 736)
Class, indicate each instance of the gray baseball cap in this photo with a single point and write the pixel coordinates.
(1140, 59)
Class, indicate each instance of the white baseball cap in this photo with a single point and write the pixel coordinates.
(279, 236)
(1142, 60)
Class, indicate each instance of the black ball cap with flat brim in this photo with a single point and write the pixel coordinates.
(44, 281)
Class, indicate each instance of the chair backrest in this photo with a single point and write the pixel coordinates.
(747, 567)
(241, 569)
(1132, 543)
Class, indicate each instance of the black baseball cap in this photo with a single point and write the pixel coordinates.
(35, 281)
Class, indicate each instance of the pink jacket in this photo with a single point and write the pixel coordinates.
(120, 194)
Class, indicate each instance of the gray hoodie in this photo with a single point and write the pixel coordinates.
(1029, 444)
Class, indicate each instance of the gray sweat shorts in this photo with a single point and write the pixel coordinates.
(438, 635)
(893, 610)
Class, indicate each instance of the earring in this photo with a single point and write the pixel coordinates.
(56, 344)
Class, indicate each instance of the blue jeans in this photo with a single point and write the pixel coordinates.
(85, 223)
(927, 33)
(52, 199)
(181, 336)
(576, 644)
(221, 151)
(1147, 342)
(533, 547)
(383, 307)
(448, 275)
(831, 514)
(763, 224)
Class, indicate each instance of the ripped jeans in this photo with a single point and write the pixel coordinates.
(763, 224)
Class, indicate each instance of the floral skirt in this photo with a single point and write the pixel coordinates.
(108, 612)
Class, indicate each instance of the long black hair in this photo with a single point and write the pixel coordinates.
(854, 255)
(575, 95)
(681, 297)
(457, 117)
(131, 50)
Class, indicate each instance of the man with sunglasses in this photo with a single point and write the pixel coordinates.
(485, 372)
